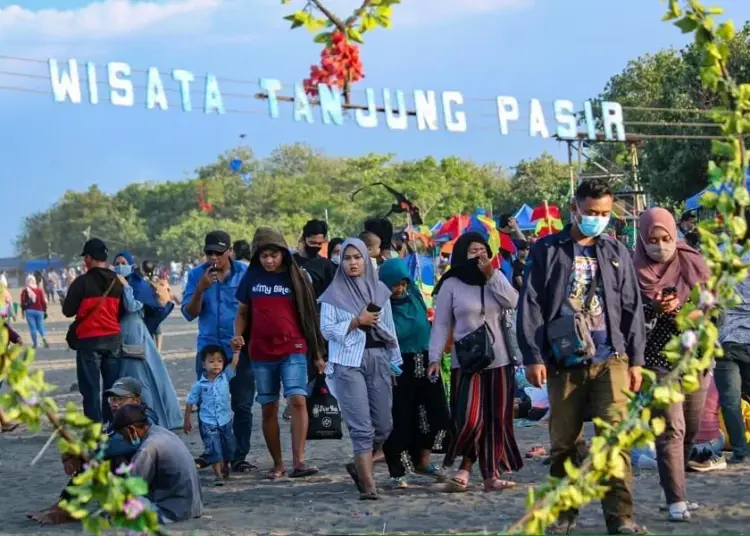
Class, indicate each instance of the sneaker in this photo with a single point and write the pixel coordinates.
(707, 461)
(739, 460)
(399, 483)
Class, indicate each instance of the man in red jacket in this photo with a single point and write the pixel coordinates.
(95, 300)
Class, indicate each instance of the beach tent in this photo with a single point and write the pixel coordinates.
(523, 218)
(694, 202)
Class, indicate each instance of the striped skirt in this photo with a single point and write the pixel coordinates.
(482, 421)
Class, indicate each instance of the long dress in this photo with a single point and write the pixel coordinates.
(157, 389)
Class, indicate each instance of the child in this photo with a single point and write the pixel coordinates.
(211, 395)
(373, 243)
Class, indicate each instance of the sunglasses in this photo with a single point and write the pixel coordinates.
(213, 253)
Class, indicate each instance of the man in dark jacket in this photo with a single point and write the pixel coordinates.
(559, 275)
(95, 300)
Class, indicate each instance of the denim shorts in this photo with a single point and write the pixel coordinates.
(290, 371)
(218, 441)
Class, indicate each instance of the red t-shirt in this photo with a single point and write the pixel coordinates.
(275, 330)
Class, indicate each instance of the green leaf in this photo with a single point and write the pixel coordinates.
(354, 35)
(715, 10)
(726, 30)
(136, 486)
(530, 499)
(323, 38)
(687, 24)
(658, 424)
(369, 22)
(570, 469)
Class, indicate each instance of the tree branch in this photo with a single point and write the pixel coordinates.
(358, 12)
(329, 15)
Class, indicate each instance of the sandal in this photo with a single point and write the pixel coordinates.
(681, 516)
(455, 485)
(433, 471)
(369, 496)
(303, 471)
(218, 481)
(201, 463)
(274, 474)
(537, 451)
(500, 485)
(243, 466)
(629, 527)
(352, 470)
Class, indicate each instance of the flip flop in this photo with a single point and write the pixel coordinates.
(243, 466)
(201, 463)
(218, 481)
(274, 474)
(500, 485)
(10, 427)
(371, 496)
(352, 470)
(433, 471)
(303, 471)
(456, 486)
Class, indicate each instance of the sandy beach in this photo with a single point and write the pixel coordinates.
(327, 503)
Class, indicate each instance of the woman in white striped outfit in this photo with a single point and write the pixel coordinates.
(363, 354)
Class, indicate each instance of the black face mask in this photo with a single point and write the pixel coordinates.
(312, 251)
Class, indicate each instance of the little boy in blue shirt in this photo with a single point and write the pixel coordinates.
(211, 395)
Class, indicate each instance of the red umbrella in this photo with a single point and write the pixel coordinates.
(545, 212)
(454, 227)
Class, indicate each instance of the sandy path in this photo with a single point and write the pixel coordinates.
(327, 504)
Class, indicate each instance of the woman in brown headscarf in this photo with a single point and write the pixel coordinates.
(668, 269)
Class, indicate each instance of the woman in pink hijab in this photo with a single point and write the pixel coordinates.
(668, 269)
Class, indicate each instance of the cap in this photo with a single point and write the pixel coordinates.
(95, 248)
(217, 242)
(125, 387)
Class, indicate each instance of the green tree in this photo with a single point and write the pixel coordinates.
(671, 169)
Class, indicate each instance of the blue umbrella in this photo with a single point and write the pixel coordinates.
(235, 165)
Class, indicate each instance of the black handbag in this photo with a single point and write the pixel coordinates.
(474, 352)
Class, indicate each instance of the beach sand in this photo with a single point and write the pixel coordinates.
(327, 503)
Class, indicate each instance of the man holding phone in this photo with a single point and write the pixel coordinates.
(210, 297)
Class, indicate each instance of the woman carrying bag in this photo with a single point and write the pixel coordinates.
(472, 300)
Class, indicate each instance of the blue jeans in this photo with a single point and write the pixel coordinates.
(218, 441)
(242, 391)
(732, 377)
(35, 320)
(90, 364)
(289, 371)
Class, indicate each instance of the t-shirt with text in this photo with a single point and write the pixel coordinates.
(275, 331)
(585, 268)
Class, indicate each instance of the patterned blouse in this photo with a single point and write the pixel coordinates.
(661, 327)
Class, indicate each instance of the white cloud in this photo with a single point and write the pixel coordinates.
(107, 20)
(416, 12)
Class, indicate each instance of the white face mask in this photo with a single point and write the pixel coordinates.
(661, 252)
(336, 259)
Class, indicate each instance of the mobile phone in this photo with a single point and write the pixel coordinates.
(669, 291)
(213, 270)
(372, 308)
(396, 369)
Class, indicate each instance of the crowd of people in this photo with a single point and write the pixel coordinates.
(575, 315)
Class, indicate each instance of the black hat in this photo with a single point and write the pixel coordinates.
(217, 242)
(128, 415)
(95, 248)
(125, 387)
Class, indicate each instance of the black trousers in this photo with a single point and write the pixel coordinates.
(421, 418)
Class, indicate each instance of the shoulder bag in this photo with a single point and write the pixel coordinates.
(569, 336)
(71, 337)
(474, 352)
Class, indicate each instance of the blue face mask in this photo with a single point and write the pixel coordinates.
(123, 269)
(592, 226)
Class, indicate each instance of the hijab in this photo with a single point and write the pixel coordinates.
(354, 294)
(31, 287)
(683, 270)
(409, 310)
(303, 295)
(462, 267)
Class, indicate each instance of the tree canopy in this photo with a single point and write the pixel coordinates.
(292, 185)
(671, 169)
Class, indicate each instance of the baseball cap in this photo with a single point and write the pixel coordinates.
(217, 242)
(95, 248)
(125, 387)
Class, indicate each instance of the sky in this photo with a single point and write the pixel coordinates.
(544, 49)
